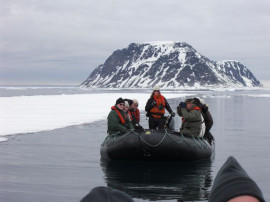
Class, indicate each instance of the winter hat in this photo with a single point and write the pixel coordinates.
(232, 181)
(156, 88)
(119, 100)
(197, 101)
(130, 102)
(135, 101)
(126, 104)
(189, 100)
(202, 101)
(106, 194)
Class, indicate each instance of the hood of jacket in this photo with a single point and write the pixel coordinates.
(232, 181)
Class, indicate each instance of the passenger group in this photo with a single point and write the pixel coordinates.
(196, 118)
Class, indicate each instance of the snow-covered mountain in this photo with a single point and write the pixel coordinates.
(169, 65)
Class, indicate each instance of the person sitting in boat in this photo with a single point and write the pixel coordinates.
(192, 119)
(128, 116)
(133, 118)
(135, 114)
(208, 120)
(106, 194)
(155, 108)
(117, 118)
(130, 103)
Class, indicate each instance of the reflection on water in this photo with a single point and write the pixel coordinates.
(188, 181)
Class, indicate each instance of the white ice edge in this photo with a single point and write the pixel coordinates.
(29, 114)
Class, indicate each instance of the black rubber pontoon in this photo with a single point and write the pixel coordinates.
(147, 145)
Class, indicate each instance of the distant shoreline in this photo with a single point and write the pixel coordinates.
(266, 83)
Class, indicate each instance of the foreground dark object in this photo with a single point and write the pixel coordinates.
(232, 181)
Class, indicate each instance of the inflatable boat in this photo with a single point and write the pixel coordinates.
(155, 145)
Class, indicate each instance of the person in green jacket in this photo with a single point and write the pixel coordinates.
(117, 120)
(192, 119)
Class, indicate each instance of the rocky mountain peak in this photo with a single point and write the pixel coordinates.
(170, 65)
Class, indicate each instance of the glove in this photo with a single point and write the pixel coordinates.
(183, 104)
(173, 114)
(154, 103)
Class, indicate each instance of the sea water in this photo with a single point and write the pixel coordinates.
(62, 163)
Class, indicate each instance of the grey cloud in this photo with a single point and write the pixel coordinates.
(79, 35)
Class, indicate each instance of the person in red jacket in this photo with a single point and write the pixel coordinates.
(155, 108)
(135, 111)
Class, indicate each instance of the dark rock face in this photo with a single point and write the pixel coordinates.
(169, 65)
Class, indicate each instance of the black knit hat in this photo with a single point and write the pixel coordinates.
(197, 101)
(232, 181)
(189, 100)
(119, 100)
(105, 194)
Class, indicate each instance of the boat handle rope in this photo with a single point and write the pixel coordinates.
(181, 136)
(201, 141)
(113, 137)
(204, 143)
(151, 145)
(197, 140)
(183, 139)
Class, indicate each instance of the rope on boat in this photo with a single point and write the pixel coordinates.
(181, 136)
(203, 142)
(114, 136)
(197, 140)
(151, 145)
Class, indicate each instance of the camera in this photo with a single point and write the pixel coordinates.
(160, 106)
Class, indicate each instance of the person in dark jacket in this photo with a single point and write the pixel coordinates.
(155, 108)
(206, 114)
(233, 184)
(117, 118)
(208, 119)
(106, 194)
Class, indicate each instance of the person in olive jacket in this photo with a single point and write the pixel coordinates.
(191, 118)
(117, 119)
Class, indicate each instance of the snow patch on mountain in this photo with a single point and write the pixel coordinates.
(170, 65)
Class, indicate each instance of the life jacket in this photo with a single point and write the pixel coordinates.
(156, 111)
(136, 115)
(130, 116)
(119, 114)
(194, 108)
(203, 127)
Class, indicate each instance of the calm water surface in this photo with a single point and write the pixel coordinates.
(64, 164)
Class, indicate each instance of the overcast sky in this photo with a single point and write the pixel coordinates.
(62, 41)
